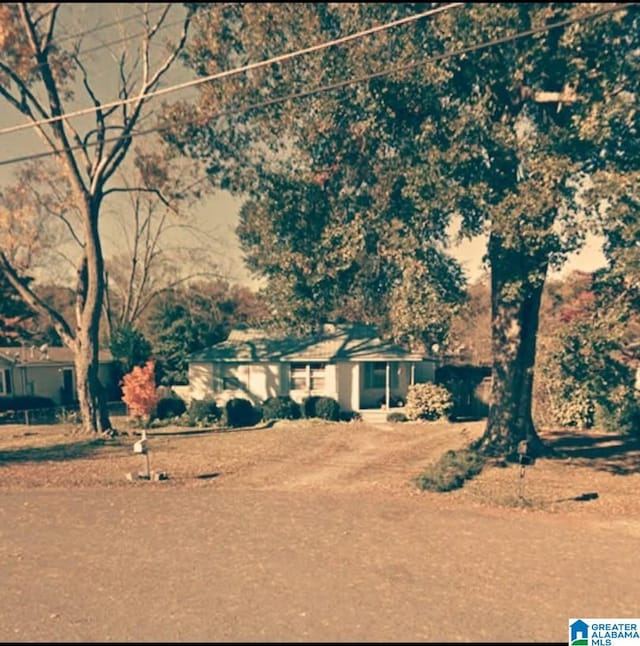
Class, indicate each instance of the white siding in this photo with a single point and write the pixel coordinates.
(201, 380)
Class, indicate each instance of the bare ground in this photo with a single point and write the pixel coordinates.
(309, 531)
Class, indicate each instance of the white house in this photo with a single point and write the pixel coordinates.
(47, 372)
(349, 363)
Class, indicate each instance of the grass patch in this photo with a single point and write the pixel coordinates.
(451, 471)
(58, 452)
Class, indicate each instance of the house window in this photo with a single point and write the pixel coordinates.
(316, 376)
(299, 376)
(307, 376)
(5, 382)
(375, 375)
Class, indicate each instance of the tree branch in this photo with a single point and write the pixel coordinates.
(55, 104)
(36, 303)
(120, 147)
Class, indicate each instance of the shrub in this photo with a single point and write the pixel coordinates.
(451, 471)
(397, 417)
(139, 390)
(168, 407)
(428, 401)
(239, 412)
(25, 402)
(576, 410)
(322, 408)
(203, 412)
(623, 416)
(394, 401)
(350, 416)
(282, 407)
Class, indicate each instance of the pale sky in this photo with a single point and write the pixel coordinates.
(218, 213)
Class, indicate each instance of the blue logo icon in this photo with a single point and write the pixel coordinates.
(579, 633)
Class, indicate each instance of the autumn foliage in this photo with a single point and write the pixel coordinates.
(139, 390)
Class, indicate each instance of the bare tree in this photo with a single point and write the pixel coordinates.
(159, 244)
(39, 79)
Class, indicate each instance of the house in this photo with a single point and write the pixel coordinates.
(49, 372)
(349, 363)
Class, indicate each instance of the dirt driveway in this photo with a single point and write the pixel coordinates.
(306, 532)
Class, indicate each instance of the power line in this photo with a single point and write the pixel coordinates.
(347, 82)
(97, 28)
(233, 72)
(123, 39)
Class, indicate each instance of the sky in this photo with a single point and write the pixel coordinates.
(219, 212)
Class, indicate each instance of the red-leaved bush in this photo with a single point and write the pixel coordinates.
(139, 390)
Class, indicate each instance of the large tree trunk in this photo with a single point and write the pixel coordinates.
(89, 299)
(93, 408)
(517, 282)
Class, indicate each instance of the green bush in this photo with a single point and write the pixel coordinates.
(451, 471)
(239, 412)
(282, 407)
(397, 417)
(395, 401)
(170, 407)
(203, 412)
(25, 402)
(321, 407)
(622, 415)
(309, 406)
(428, 401)
(577, 409)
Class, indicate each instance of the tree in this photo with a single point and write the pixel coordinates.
(14, 316)
(194, 317)
(160, 247)
(139, 391)
(38, 80)
(503, 138)
(130, 346)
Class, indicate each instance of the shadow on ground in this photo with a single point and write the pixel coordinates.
(613, 453)
(57, 452)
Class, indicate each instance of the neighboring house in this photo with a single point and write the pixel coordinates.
(349, 363)
(48, 372)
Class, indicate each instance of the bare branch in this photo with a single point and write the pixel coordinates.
(142, 189)
(121, 147)
(46, 42)
(100, 129)
(35, 302)
(58, 127)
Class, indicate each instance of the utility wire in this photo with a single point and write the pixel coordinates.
(97, 28)
(341, 84)
(123, 39)
(235, 71)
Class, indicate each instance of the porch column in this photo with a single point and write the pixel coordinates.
(387, 390)
(413, 373)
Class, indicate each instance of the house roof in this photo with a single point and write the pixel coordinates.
(44, 356)
(335, 343)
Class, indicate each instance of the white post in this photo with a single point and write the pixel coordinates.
(387, 389)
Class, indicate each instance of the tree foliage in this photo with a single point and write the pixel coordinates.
(139, 390)
(42, 74)
(192, 318)
(352, 192)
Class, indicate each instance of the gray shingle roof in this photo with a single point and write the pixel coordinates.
(341, 343)
(28, 355)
